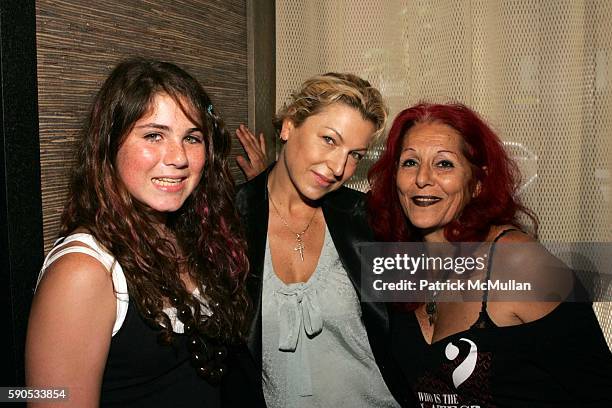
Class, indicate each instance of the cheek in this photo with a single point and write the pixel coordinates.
(403, 181)
(291, 150)
(197, 159)
(458, 189)
(309, 150)
(301, 155)
(136, 157)
(134, 161)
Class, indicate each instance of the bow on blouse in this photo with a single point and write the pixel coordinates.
(297, 309)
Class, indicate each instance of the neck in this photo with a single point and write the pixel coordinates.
(436, 235)
(160, 219)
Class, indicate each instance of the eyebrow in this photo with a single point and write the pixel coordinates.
(336, 132)
(153, 125)
(164, 127)
(342, 139)
(439, 151)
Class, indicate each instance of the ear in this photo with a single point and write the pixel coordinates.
(477, 189)
(286, 129)
(478, 186)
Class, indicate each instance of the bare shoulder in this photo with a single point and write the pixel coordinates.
(76, 287)
(520, 257)
(76, 271)
(70, 326)
(514, 248)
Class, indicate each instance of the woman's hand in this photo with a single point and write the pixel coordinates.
(70, 329)
(255, 150)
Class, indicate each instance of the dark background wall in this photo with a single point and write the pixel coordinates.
(20, 204)
(54, 55)
(78, 43)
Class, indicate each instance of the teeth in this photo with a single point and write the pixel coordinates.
(425, 201)
(163, 181)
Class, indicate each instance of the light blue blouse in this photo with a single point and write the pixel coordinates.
(315, 350)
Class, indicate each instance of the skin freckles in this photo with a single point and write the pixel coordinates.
(323, 152)
(160, 162)
(433, 178)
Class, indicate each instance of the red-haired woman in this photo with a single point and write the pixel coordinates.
(445, 177)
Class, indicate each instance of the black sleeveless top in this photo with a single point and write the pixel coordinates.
(559, 360)
(140, 372)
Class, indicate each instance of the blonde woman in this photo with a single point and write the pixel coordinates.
(315, 343)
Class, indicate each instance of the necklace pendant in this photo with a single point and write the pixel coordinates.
(432, 312)
(300, 246)
(298, 235)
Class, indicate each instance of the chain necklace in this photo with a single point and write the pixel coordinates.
(431, 308)
(299, 247)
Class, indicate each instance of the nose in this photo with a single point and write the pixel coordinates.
(423, 177)
(175, 154)
(337, 163)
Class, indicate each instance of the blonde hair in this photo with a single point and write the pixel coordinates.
(320, 91)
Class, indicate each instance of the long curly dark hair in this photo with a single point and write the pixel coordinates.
(206, 227)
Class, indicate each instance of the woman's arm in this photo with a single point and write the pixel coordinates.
(70, 329)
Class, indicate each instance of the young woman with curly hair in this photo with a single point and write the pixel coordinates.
(141, 302)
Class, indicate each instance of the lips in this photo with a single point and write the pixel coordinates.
(322, 180)
(167, 181)
(425, 201)
(169, 184)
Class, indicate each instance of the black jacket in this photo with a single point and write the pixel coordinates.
(345, 216)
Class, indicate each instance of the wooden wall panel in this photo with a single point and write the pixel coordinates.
(78, 43)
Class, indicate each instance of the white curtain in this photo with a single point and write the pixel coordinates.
(539, 71)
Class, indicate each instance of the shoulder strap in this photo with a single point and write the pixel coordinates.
(504, 232)
(484, 320)
(490, 263)
(60, 249)
(80, 249)
(94, 250)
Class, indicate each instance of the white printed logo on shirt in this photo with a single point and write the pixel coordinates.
(466, 368)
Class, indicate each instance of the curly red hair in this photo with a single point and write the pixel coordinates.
(498, 177)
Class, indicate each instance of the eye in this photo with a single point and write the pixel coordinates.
(409, 163)
(357, 156)
(445, 164)
(153, 137)
(193, 139)
(329, 140)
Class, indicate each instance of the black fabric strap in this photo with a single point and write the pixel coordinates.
(484, 320)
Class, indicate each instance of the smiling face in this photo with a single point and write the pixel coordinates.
(323, 152)
(433, 178)
(160, 162)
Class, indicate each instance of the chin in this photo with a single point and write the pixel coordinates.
(314, 196)
(316, 193)
(167, 208)
(423, 225)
